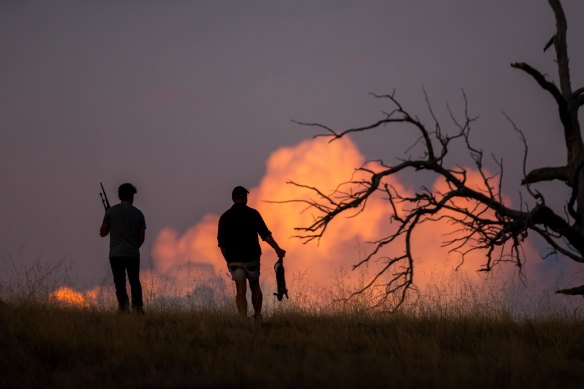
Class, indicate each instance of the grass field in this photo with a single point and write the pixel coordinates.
(47, 345)
(456, 335)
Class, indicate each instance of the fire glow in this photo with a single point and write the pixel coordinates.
(69, 296)
(314, 162)
(193, 257)
(323, 165)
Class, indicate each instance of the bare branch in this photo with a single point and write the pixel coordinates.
(548, 238)
(541, 80)
(579, 97)
(549, 43)
(547, 174)
(571, 203)
(328, 129)
(561, 48)
(576, 291)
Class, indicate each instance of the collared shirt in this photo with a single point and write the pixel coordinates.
(238, 233)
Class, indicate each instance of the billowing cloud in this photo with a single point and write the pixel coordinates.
(191, 265)
(312, 162)
(323, 165)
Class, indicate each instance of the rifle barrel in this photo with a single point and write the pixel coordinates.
(103, 196)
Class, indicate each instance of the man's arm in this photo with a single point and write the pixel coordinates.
(221, 237)
(279, 251)
(103, 230)
(141, 237)
(265, 233)
(224, 252)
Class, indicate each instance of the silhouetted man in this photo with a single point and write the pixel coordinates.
(237, 235)
(127, 228)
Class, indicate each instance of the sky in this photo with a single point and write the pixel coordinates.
(187, 99)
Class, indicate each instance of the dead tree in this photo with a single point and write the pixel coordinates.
(485, 222)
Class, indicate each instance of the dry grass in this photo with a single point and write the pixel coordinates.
(44, 345)
(463, 337)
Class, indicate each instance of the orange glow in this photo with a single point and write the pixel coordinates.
(69, 296)
(324, 165)
(194, 256)
(434, 261)
(312, 162)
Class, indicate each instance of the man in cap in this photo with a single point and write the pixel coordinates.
(237, 235)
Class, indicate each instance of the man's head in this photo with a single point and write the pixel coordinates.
(126, 192)
(239, 195)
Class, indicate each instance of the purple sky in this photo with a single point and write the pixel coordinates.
(188, 98)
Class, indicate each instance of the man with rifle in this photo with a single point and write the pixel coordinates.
(127, 229)
(237, 235)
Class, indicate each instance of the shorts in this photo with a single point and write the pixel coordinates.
(242, 270)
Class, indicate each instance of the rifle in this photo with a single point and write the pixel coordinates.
(103, 195)
(280, 279)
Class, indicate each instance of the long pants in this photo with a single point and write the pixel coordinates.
(121, 265)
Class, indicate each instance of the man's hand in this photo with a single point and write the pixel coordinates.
(270, 240)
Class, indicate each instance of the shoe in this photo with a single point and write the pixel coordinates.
(139, 310)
